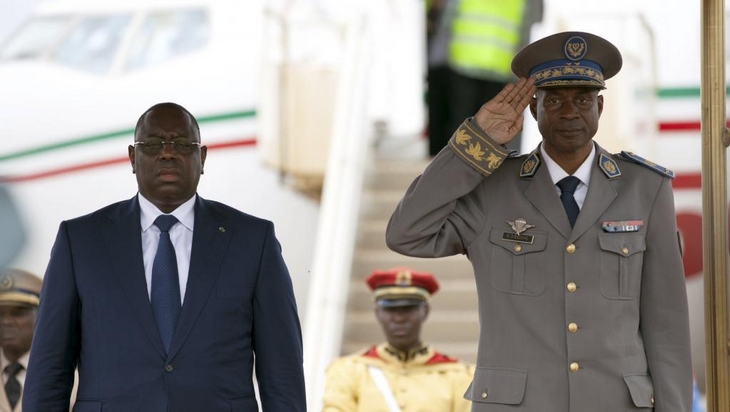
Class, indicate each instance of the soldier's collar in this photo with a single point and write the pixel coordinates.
(606, 163)
(530, 164)
(608, 166)
(405, 356)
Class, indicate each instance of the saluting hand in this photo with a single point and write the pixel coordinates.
(501, 118)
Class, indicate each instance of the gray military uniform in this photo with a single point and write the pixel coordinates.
(572, 319)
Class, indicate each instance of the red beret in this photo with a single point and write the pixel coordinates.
(402, 284)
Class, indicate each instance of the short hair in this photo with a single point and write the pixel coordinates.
(166, 104)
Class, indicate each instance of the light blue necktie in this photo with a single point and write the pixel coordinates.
(567, 188)
(165, 282)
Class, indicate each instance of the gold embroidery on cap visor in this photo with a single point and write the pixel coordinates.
(400, 292)
(554, 76)
(18, 297)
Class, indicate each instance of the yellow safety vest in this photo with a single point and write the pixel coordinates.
(485, 35)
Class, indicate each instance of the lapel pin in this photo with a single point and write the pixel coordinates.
(221, 229)
(518, 226)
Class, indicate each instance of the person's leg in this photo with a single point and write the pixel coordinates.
(438, 109)
(468, 95)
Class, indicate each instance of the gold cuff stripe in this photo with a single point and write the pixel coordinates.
(485, 140)
(484, 160)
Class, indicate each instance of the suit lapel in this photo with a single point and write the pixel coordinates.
(210, 241)
(542, 194)
(601, 194)
(123, 240)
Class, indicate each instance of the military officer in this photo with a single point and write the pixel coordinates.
(575, 250)
(403, 374)
(19, 298)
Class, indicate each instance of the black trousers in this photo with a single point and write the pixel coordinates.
(452, 98)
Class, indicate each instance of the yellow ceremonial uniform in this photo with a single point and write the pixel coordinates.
(421, 381)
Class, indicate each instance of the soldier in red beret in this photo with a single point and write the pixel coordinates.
(402, 374)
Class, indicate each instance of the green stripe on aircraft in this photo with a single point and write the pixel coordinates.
(115, 134)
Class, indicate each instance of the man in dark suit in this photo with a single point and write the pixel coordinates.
(163, 300)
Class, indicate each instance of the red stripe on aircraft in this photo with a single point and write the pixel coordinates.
(682, 126)
(103, 163)
(687, 181)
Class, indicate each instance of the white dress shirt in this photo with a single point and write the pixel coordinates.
(181, 235)
(583, 174)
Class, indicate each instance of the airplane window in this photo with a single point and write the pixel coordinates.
(93, 43)
(35, 38)
(165, 35)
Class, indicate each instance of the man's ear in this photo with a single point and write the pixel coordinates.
(600, 104)
(203, 155)
(130, 153)
(533, 107)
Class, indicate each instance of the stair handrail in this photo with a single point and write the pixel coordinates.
(338, 216)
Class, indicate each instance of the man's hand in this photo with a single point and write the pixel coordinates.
(501, 118)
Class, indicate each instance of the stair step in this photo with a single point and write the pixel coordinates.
(380, 204)
(394, 174)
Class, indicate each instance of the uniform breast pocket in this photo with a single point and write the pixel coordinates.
(622, 257)
(517, 267)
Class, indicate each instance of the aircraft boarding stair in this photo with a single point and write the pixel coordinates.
(453, 323)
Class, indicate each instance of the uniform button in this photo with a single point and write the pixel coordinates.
(573, 327)
(484, 395)
(574, 367)
(518, 247)
(570, 249)
(572, 287)
(168, 368)
(652, 399)
(625, 250)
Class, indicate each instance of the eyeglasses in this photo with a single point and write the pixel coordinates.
(154, 146)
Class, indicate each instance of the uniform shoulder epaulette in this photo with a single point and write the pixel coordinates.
(631, 157)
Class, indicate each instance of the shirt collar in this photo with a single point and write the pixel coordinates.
(557, 173)
(23, 360)
(185, 213)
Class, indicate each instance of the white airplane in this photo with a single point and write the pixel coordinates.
(78, 73)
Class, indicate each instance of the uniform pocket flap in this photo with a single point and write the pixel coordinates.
(622, 244)
(518, 244)
(497, 385)
(642, 390)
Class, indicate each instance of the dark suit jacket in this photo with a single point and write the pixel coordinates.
(95, 313)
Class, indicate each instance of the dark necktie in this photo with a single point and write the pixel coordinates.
(165, 283)
(567, 188)
(12, 386)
